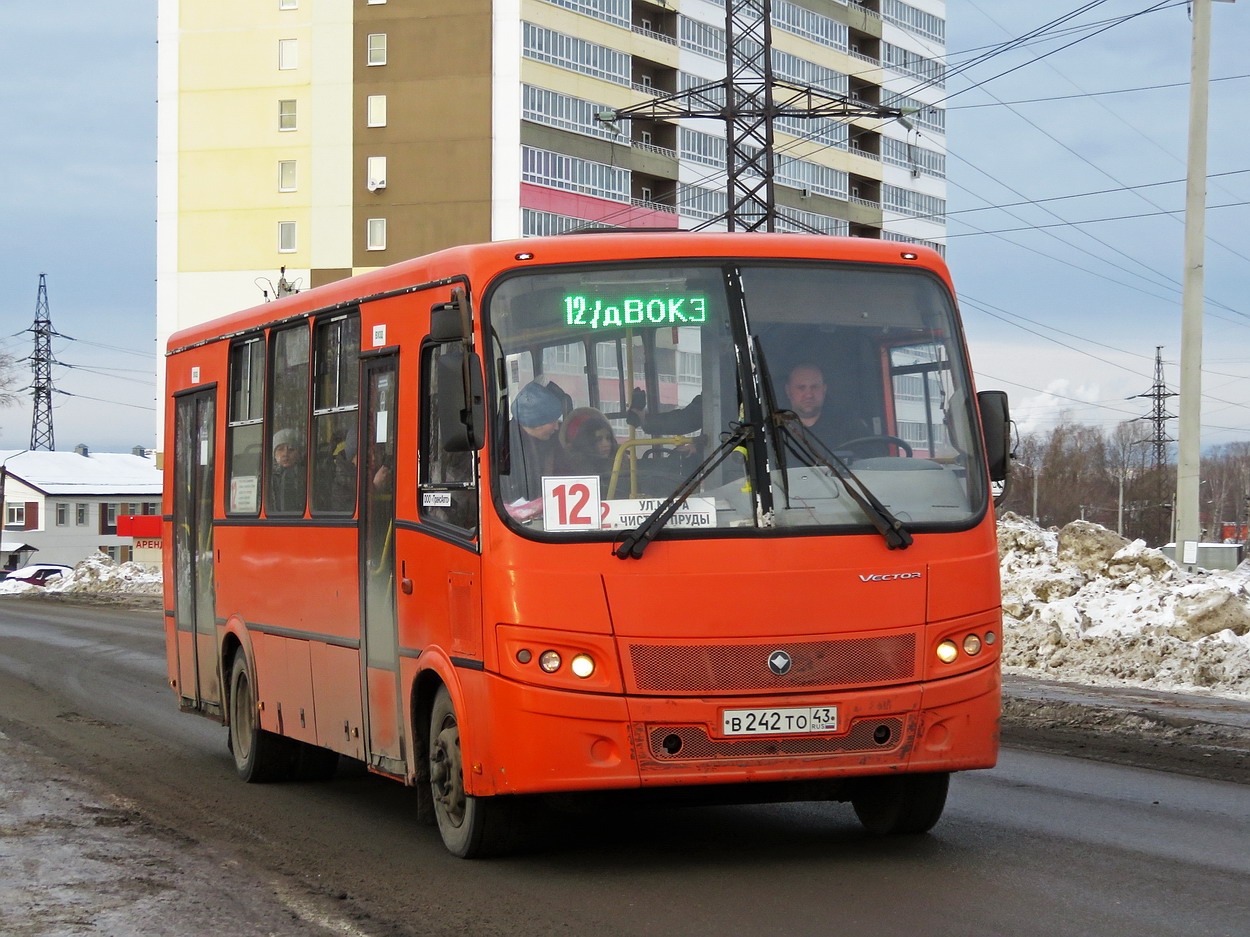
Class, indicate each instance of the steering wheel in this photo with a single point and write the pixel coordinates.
(861, 440)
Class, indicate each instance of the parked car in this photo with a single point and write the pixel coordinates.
(39, 574)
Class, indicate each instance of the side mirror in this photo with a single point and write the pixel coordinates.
(449, 322)
(461, 410)
(996, 427)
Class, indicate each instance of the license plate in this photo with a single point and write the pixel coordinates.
(779, 721)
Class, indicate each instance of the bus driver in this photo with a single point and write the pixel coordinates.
(805, 389)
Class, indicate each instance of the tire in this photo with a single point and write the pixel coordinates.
(259, 757)
(905, 804)
(471, 827)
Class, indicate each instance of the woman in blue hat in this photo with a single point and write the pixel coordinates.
(536, 414)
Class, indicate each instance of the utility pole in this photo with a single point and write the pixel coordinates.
(749, 100)
(41, 363)
(1189, 449)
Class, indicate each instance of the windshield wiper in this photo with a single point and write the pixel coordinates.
(814, 451)
(635, 542)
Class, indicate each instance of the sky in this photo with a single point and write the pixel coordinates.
(1064, 315)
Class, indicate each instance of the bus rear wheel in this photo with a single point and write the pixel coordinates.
(471, 827)
(906, 804)
(259, 756)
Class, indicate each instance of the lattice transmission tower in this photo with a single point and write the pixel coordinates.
(1159, 439)
(41, 362)
(749, 99)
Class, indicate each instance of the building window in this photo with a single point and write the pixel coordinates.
(286, 115)
(15, 515)
(375, 173)
(288, 4)
(377, 49)
(62, 515)
(372, 2)
(80, 515)
(286, 175)
(375, 110)
(286, 237)
(288, 54)
(375, 234)
(108, 517)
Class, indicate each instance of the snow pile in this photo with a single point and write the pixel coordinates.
(96, 574)
(99, 574)
(1084, 605)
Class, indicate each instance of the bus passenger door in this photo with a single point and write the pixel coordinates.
(379, 637)
(199, 684)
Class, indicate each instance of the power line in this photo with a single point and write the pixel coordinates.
(1087, 94)
(115, 403)
(1067, 224)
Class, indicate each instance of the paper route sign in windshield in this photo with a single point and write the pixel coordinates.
(628, 513)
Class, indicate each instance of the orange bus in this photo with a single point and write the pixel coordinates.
(595, 512)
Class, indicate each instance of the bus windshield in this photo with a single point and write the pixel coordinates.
(614, 383)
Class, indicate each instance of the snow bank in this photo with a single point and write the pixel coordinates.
(1084, 605)
(96, 574)
(99, 574)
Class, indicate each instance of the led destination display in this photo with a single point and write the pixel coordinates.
(608, 312)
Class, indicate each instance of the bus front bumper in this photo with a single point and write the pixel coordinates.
(544, 740)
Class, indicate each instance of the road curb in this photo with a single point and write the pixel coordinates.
(1203, 736)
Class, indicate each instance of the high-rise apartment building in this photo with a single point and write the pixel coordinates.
(333, 136)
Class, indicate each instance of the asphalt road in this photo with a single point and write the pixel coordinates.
(121, 816)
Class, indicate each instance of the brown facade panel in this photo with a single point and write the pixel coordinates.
(320, 276)
(438, 134)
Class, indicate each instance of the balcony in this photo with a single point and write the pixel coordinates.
(652, 148)
(652, 205)
(652, 34)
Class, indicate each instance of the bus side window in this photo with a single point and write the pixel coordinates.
(336, 407)
(288, 421)
(245, 426)
(447, 481)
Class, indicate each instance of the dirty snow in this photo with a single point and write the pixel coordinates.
(1083, 605)
(99, 575)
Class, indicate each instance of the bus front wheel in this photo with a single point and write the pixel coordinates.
(259, 756)
(901, 804)
(471, 827)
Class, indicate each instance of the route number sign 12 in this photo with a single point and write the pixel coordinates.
(571, 502)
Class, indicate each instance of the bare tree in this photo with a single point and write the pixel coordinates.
(8, 378)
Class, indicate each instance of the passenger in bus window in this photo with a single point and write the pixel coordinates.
(589, 444)
(679, 422)
(806, 390)
(344, 473)
(535, 443)
(287, 476)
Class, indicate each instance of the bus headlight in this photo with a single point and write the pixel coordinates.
(947, 651)
(549, 661)
(972, 645)
(582, 665)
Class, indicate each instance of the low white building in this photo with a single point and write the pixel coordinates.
(60, 507)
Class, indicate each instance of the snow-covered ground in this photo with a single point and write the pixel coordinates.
(1081, 605)
(1084, 605)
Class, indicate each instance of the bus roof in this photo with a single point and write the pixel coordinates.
(601, 245)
